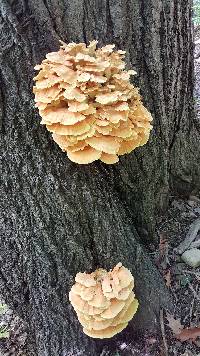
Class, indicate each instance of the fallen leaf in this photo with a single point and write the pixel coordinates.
(163, 251)
(188, 334)
(180, 333)
(167, 277)
(151, 340)
(163, 245)
(174, 324)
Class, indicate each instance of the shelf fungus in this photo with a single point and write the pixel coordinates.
(87, 102)
(104, 301)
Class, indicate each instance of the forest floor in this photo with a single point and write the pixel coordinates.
(181, 330)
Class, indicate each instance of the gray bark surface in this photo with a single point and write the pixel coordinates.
(59, 218)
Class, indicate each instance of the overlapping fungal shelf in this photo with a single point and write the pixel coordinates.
(87, 102)
(104, 301)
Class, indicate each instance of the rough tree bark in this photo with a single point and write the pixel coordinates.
(59, 218)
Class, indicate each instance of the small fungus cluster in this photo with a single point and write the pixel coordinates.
(86, 100)
(104, 301)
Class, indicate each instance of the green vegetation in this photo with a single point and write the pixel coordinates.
(3, 308)
(196, 8)
(4, 332)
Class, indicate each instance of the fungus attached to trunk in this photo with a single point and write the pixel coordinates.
(104, 301)
(84, 95)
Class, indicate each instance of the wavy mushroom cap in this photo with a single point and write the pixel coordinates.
(86, 100)
(104, 301)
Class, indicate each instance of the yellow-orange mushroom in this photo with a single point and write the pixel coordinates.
(104, 301)
(84, 94)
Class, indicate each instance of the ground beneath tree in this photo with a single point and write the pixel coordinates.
(183, 282)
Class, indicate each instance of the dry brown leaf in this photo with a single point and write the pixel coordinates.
(162, 245)
(167, 277)
(163, 251)
(181, 333)
(188, 334)
(174, 324)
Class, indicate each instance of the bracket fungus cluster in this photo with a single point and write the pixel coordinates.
(86, 100)
(104, 301)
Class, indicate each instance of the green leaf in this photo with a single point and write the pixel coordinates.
(3, 308)
(196, 9)
(184, 280)
(4, 333)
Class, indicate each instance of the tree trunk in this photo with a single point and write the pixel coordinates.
(59, 218)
